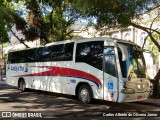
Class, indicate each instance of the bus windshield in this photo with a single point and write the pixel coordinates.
(134, 66)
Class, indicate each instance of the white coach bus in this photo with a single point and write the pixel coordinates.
(100, 68)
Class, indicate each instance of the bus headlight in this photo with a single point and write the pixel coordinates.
(128, 91)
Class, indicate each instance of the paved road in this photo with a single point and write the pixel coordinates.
(58, 105)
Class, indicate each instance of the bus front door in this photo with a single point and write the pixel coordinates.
(110, 79)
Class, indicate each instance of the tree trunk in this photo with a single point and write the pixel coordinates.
(20, 40)
(156, 87)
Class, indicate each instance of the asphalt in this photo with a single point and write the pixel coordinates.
(149, 101)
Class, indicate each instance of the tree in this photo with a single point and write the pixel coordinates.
(123, 13)
(9, 18)
(48, 20)
(4, 23)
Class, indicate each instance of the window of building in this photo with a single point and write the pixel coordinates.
(115, 36)
(127, 36)
(142, 38)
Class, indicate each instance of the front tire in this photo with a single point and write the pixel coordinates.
(85, 94)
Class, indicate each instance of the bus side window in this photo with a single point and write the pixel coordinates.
(16, 57)
(9, 58)
(61, 52)
(110, 67)
(109, 61)
(31, 55)
(43, 54)
(90, 53)
(56, 52)
(68, 51)
(122, 64)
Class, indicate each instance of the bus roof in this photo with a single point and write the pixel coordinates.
(92, 39)
(84, 39)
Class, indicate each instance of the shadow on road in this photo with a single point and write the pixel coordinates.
(59, 104)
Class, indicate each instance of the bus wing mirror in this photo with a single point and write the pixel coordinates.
(124, 52)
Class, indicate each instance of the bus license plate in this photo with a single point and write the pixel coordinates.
(139, 97)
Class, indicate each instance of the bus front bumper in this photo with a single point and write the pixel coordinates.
(133, 97)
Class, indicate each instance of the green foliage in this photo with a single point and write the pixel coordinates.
(4, 23)
(49, 20)
(112, 12)
(152, 47)
(60, 18)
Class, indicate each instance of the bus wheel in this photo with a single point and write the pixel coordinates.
(84, 94)
(22, 86)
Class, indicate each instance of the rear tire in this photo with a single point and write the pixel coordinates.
(85, 94)
(22, 85)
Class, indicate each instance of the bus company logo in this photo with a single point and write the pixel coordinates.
(16, 68)
(141, 87)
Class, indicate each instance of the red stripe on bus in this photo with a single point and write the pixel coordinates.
(61, 71)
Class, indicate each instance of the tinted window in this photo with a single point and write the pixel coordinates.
(22, 56)
(43, 54)
(56, 52)
(134, 66)
(68, 51)
(30, 55)
(109, 61)
(122, 64)
(9, 57)
(62, 52)
(90, 53)
(14, 57)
